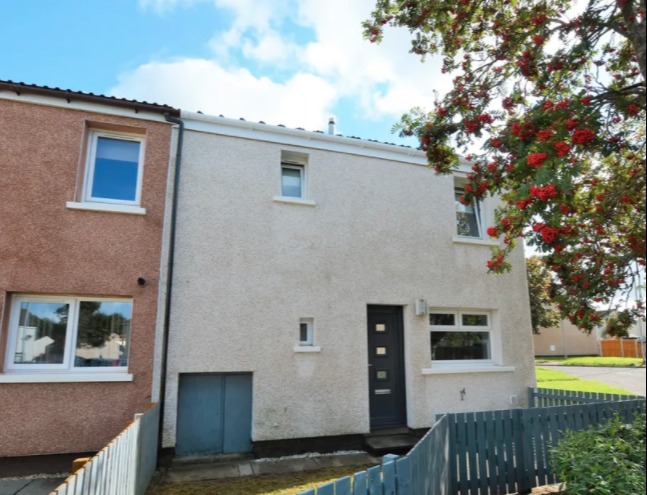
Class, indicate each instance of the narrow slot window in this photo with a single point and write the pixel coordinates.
(306, 331)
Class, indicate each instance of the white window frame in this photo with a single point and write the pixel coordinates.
(93, 139)
(301, 168)
(459, 187)
(309, 325)
(71, 336)
(459, 327)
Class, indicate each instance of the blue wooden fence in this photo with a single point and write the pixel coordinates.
(423, 471)
(488, 453)
(499, 452)
(543, 397)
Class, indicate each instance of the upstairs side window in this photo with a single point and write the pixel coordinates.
(468, 217)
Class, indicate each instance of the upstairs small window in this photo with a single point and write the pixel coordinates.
(292, 180)
(468, 216)
(114, 168)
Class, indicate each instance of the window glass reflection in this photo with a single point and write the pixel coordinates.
(103, 333)
(42, 330)
(460, 345)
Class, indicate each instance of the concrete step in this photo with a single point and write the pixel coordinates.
(399, 443)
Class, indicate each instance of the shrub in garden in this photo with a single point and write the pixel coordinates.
(605, 460)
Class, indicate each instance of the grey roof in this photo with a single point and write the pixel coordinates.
(70, 95)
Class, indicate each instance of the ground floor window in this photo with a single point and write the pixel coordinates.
(49, 333)
(460, 335)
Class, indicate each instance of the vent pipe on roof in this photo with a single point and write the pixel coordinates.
(331, 126)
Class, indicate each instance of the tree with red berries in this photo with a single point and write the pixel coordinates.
(553, 93)
(542, 312)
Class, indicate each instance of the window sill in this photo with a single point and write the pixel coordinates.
(294, 201)
(307, 348)
(475, 241)
(65, 377)
(449, 370)
(107, 207)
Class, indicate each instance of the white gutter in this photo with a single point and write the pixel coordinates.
(295, 137)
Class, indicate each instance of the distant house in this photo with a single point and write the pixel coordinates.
(83, 182)
(566, 340)
(328, 287)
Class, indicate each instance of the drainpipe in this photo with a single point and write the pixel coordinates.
(169, 273)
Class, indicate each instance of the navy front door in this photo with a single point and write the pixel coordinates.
(387, 400)
(214, 414)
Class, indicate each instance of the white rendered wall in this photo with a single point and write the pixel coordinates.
(248, 268)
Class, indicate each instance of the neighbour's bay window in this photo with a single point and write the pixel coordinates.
(68, 334)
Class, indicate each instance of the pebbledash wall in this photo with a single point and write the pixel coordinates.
(54, 243)
(375, 226)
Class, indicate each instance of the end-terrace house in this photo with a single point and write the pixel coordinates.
(327, 287)
(82, 196)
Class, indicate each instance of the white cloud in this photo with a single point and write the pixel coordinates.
(271, 49)
(388, 79)
(163, 6)
(384, 81)
(304, 100)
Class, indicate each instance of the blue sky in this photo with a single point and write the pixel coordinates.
(291, 62)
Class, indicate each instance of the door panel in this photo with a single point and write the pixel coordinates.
(387, 399)
(238, 414)
(214, 413)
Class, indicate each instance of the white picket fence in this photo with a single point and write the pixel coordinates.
(123, 467)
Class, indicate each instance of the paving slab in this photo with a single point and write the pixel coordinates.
(345, 460)
(284, 466)
(41, 486)
(194, 471)
(11, 487)
(200, 472)
(29, 486)
(245, 469)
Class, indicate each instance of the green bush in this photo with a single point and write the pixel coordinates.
(604, 460)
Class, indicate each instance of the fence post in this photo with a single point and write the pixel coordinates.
(522, 443)
(531, 397)
(389, 474)
(622, 346)
(136, 470)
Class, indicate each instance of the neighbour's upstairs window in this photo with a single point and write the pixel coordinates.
(468, 216)
(114, 168)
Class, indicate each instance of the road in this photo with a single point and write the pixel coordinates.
(631, 379)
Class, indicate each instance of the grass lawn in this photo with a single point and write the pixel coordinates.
(280, 484)
(590, 361)
(549, 378)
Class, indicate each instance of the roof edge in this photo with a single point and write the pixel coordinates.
(246, 128)
(69, 95)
